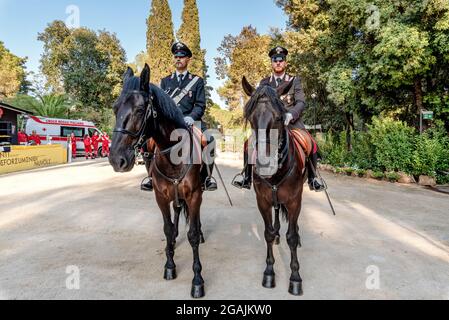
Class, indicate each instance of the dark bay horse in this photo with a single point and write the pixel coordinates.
(143, 112)
(282, 188)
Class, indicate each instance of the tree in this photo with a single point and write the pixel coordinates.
(50, 105)
(12, 73)
(86, 65)
(372, 57)
(160, 38)
(189, 33)
(242, 55)
(53, 38)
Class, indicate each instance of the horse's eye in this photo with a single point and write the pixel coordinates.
(140, 111)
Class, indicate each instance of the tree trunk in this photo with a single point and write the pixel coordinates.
(418, 97)
(349, 127)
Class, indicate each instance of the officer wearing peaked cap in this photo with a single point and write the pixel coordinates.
(294, 102)
(188, 92)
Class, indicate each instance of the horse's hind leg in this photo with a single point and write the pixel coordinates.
(294, 241)
(194, 236)
(169, 230)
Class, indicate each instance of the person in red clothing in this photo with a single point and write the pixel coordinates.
(35, 139)
(88, 146)
(73, 141)
(95, 143)
(23, 138)
(105, 142)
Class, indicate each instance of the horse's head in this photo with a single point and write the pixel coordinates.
(133, 112)
(265, 112)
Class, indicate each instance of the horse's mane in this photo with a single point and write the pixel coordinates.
(165, 105)
(271, 94)
(161, 101)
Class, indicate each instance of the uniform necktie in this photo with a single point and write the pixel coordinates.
(278, 81)
(180, 78)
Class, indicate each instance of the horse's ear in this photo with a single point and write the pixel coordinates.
(284, 89)
(247, 87)
(145, 79)
(128, 74)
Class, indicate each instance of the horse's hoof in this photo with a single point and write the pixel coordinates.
(269, 282)
(295, 288)
(277, 240)
(198, 291)
(170, 274)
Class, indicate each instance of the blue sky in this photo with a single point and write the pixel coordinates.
(20, 21)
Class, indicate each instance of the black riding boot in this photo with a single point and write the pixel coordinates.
(209, 184)
(247, 180)
(147, 183)
(314, 183)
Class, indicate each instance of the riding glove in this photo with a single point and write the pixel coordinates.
(189, 121)
(288, 119)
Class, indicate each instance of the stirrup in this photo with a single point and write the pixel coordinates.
(322, 183)
(235, 183)
(212, 180)
(145, 181)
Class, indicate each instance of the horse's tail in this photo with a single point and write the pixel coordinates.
(184, 210)
(284, 212)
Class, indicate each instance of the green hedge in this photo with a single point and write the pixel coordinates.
(390, 146)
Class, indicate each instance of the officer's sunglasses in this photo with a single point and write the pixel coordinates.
(278, 59)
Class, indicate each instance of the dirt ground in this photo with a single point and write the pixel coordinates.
(387, 242)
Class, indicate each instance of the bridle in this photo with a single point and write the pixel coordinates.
(140, 135)
(283, 157)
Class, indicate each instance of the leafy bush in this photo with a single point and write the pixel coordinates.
(390, 146)
(360, 173)
(392, 176)
(333, 149)
(363, 152)
(394, 144)
(431, 156)
(379, 175)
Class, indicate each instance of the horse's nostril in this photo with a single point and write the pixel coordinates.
(123, 163)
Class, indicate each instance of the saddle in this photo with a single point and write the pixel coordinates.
(304, 144)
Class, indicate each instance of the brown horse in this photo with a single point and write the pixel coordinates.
(282, 188)
(143, 112)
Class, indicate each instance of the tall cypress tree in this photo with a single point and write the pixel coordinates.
(189, 33)
(160, 38)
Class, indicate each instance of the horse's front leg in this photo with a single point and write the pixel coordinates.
(169, 230)
(294, 241)
(265, 208)
(194, 236)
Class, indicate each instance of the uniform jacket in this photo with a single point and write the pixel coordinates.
(194, 103)
(294, 100)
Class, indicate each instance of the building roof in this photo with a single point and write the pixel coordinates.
(18, 110)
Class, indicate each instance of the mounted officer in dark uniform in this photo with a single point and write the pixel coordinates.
(294, 102)
(188, 92)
